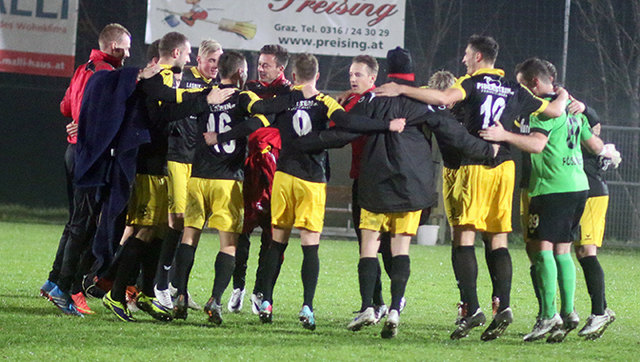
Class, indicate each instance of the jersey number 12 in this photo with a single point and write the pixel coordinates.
(491, 110)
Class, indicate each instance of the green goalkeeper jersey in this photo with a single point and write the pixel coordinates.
(559, 167)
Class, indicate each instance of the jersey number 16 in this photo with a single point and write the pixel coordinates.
(221, 126)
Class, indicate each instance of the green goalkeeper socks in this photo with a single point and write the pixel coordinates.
(547, 274)
(566, 282)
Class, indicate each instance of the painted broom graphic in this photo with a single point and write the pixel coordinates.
(244, 29)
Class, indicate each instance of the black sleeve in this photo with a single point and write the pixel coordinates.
(155, 89)
(592, 116)
(243, 129)
(450, 133)
(272, 105)
(358, 123)
(163, 112)
(320, 140)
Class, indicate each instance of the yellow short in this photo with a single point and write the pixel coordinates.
(178, 176)
(393, 222)
(484, 195)
(448, 180)
(148, 203)
(525, 199)
(218, 202)
(593, 220)
(297, 203)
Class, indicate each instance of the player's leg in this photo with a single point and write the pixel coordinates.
(471, 196)
(547, 276)
(385, 250)
(500, 184)
(149, 255)
(309, 272)
(274, 254)
(69, 163)
(592, 226)
(178, 175)
(400, 271)
(466, 270)
(226, 216)
(236, 300)
(368, 267)
(82, 229)
(224, 266)
(185, 256)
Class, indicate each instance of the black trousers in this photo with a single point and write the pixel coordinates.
(82, 227)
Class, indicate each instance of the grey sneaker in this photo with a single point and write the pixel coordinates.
(236, 300)
(498, 325)
(390, 328)
(256, 302)
(542, 327)
(468, 323)
(380, 312)
(191, 303)
(597, 324)
(164, 297)
(569, 323)
(214, 311)
(365, 318)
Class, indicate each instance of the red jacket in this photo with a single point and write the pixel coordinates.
(70, 104)
(357, 145)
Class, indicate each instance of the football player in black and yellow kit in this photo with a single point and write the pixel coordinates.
(214, 194)
(181, 148)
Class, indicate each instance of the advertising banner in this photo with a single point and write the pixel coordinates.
(331, 27)
(38, 36)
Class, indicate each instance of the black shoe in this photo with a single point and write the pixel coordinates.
(214, 311)
(499, 324)
(180, 308)
(468, 323)
(90, 287)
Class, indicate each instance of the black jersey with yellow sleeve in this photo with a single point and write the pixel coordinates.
(182, 133)
(226, 159)
(165, 103)
(300, 118)
(487, 97)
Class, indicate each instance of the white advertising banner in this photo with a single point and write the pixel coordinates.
(38, 36)
(331, 27)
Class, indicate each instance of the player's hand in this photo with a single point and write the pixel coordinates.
(149, 71)
(397, 124)
(219, 95)
(210, 138)
(495, 133)
(611, 153)
(561, 92)
(72, 129)
(496, 148)
(342, 98)
(309, 90)
(576, 107)
(391, 89)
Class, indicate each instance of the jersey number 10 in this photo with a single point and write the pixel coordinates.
(301, 122)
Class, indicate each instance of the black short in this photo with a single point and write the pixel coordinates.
(556, 217)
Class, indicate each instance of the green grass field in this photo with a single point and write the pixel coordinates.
(32, 328)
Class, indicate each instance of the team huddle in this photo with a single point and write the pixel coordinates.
(157, 154)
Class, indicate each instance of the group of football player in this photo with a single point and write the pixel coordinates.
(157, 154)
